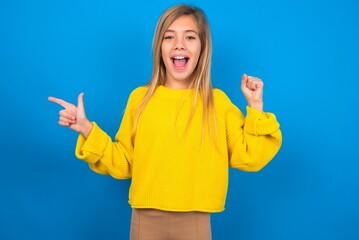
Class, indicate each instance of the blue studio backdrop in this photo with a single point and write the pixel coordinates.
(306, 52)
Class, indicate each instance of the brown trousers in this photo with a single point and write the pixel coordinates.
(152, 224)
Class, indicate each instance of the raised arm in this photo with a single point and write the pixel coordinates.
(254, 140)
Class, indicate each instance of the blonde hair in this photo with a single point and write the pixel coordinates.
(201, 76)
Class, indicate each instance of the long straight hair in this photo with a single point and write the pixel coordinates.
(201, 76)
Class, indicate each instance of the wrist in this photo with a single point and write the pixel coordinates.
(256, 105)
(86, 130)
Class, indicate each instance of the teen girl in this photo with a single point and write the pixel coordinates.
(178, 135)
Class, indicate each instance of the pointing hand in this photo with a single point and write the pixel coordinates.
(73, 117)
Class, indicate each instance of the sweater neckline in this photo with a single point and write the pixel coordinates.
(172, 93)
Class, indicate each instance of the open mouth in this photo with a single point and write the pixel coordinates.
(179, 61)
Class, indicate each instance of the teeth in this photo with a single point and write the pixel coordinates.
(179, 57)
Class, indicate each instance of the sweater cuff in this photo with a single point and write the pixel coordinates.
(260, 123)
(91, 149)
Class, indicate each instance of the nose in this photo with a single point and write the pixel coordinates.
(179, 44)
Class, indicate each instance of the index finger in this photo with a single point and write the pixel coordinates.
(58, 101)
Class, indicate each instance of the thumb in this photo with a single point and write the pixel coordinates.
(80, 102)
(244, 81)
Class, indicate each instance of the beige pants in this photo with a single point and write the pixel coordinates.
(151, 224)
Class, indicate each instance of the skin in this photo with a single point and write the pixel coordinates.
(252, 88)
(73, 117)
(181, 39)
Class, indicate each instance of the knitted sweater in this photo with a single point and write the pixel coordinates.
(177, 170)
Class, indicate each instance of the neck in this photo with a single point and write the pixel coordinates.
(177, 84)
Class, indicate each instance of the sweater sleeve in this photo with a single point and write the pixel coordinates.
(105, 156)
(252, 141)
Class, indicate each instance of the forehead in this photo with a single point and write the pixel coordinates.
(184, 23)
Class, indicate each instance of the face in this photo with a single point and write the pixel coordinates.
(181, 48)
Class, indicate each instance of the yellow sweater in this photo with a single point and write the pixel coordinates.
(181, 172)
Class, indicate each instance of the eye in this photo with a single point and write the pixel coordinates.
(168, 37)
(190, 37)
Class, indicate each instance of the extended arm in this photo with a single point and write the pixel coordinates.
(94, 146)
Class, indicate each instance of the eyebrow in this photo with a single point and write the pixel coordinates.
(189, 30)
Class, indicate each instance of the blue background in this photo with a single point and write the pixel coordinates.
(305, 51)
